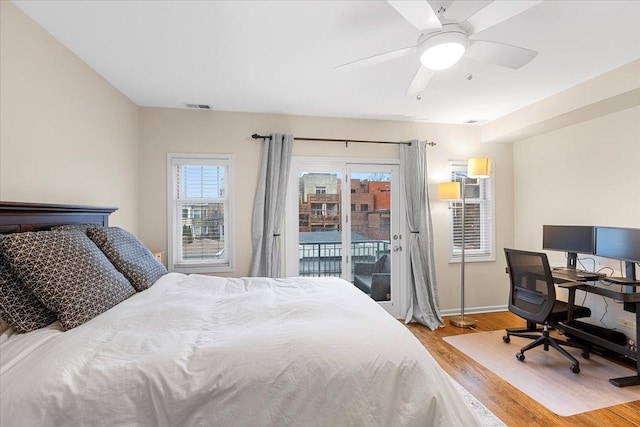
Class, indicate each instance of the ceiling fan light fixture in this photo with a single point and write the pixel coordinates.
(442, 50)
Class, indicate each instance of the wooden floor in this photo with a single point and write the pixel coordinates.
(513, 407)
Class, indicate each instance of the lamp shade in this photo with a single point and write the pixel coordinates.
(479, 167)
(449, 190)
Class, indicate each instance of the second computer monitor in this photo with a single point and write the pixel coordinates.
(622, 244)
(618, 243)
(573, 239)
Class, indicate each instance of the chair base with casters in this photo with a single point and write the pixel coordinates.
(531, 327)
(547, 341)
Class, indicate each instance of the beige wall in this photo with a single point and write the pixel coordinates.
(166, 130)
(66, 134)
(583, 174)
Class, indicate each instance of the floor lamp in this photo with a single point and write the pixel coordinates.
(478, 167)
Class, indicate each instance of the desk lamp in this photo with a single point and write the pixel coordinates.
(479, 167)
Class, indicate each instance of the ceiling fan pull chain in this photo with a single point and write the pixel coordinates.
(469, 75)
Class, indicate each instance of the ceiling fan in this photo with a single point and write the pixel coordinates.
(443, 41)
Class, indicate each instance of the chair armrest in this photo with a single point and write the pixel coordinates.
(381, 286)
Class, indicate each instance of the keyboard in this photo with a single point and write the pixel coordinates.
(577, 275)
(576, 270)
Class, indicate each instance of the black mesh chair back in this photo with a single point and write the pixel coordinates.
(533, 293)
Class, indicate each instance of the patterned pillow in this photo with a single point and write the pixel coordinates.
(18, 306)
(130, 256)
(67, 273)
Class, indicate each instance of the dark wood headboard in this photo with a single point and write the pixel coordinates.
(17, 217)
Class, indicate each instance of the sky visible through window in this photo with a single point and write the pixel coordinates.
(203, 181)
(368, 176)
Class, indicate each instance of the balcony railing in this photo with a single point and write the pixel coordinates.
(325, 259)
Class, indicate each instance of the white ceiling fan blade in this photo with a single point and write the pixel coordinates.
(376, 59)
(501, 54)
(420, 81)
(418, 12)
(497, 12)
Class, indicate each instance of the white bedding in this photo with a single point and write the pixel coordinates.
(210, 351)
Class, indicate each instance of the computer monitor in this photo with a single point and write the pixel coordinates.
(620, 243)
(573, 239)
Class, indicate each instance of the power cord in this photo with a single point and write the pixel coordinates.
(606, 307)
(607, 268)
(593, 260)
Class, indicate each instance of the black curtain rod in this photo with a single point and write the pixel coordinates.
(347, 141)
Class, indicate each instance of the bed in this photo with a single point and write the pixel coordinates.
(195, 350)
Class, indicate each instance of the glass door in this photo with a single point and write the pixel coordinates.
(374, 232)
(319, 208)
(341, 222)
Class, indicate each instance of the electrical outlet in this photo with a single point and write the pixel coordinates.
(627, 323)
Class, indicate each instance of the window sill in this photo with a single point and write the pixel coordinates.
(201, 269)
(468, 260)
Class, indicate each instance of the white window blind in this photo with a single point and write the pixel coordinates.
(199, 213)
(479, 217)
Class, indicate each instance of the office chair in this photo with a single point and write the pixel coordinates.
(533, 297)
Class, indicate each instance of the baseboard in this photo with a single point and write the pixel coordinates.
(474, 310)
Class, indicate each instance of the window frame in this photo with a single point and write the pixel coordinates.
(486, 205)
(176, 159)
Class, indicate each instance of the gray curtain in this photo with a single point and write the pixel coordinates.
(423, 303)
(268, 207)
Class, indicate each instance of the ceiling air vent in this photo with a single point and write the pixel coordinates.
(198, 106)
(475, 122)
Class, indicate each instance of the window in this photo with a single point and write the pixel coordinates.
(199, 212)
(479, 220)
(321, 190)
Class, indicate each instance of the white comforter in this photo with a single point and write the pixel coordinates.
(210, 351)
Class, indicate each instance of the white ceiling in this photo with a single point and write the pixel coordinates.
(279, 56)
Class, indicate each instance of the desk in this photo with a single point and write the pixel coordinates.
(616, 292)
